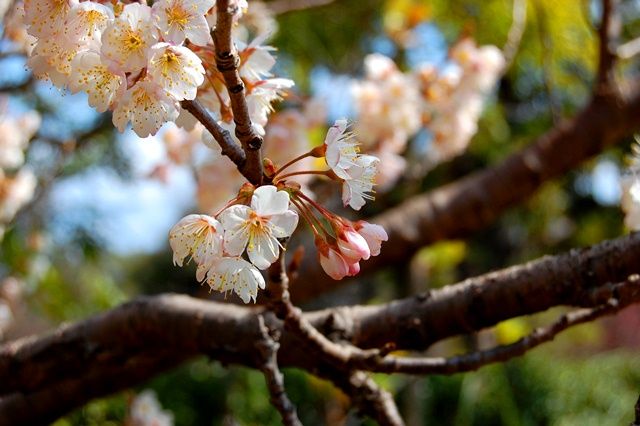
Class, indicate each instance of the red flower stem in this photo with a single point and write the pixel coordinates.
(305, 172)
(295, 160)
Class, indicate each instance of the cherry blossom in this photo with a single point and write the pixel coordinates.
(353, 247)
(198, 236)
(85, 23)
(177, 69)
(147, 106)
(341, 149)
(237, 275)
(181, 19)
(258, 227)
(91, 76)
(360, 181)
(126, 42)
(332, 262)
(373, 234)
(46, 17)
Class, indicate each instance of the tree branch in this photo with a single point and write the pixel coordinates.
(368, 397)
(227, 61)
(627, 292)
(167, 330)
(222, 136)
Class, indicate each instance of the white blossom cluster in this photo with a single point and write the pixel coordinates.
(128, 58)
(393, 106)
(216, 244)
(140, 61)
(17, 182)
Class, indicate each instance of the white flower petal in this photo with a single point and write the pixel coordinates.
(263, 250)
(284, 224)
(267, 201)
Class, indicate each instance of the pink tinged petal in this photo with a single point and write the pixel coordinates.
(353, 246)
(283, 225)
(333, 264)
(354, 268)
(373, 234)
(267, 201)
(263, 250)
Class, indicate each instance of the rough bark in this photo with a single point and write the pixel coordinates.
(127, 345)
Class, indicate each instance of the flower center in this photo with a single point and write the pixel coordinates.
(132, 41)
(177, 16)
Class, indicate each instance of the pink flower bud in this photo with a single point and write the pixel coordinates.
(332, 262)
(354, 268)
(352, 245)
(373, 234)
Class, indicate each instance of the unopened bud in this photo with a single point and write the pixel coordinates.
(319, 151)
(269, 167)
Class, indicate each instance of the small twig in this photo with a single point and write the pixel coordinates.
(227, 61)
(375, 360)
(608, 32)
(475, 360)
(280, 303)
(268, 348)
(369, 398)
(518, 25)
(221, 135)
(363, 391)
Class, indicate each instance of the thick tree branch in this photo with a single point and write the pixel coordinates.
(166, 330)
(227, 61)
(627, 293)
(458, 209)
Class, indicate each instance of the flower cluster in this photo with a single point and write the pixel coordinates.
(140, 61)
(392, 106)
(232, 246)
(216, 244)
(453, 101)
(17, 182)
(128, 58)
